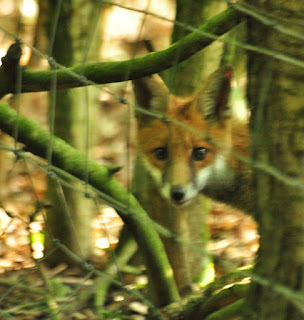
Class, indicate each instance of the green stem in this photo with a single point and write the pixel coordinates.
(107, 72)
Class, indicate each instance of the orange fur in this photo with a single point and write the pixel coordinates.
(220, 174)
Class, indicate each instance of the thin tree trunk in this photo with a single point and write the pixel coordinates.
(186, 76)
(190, 223)
(70, 218)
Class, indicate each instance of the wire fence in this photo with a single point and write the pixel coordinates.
(50, 299)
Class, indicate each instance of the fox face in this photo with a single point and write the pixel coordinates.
(185, 149)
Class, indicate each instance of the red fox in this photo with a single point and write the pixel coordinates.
(202, 159)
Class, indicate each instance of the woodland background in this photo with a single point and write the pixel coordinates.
(54, 249)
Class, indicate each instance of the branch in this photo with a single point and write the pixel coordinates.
(218, 300)
(232, 311)
(100, 177)
(107, 72)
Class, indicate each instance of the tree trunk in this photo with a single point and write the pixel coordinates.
(186, 76)
(276, 95)
(69, 220)
(190, 223)
(187, 246)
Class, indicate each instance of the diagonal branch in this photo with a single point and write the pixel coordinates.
(107, 72)
(101, 178)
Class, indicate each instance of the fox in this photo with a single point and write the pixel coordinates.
(194, 144)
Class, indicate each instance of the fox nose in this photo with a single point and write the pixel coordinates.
(177, 193)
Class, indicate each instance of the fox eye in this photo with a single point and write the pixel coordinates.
(161, 153)
(199, 154)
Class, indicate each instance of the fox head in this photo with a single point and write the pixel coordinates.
(182, 138)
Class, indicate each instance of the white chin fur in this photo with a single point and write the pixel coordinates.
(216, 175)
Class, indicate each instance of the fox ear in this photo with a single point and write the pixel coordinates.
(151, 94)
(213, 99)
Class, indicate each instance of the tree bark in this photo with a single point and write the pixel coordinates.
(275, 95)
(185, 77)
(70, 217)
